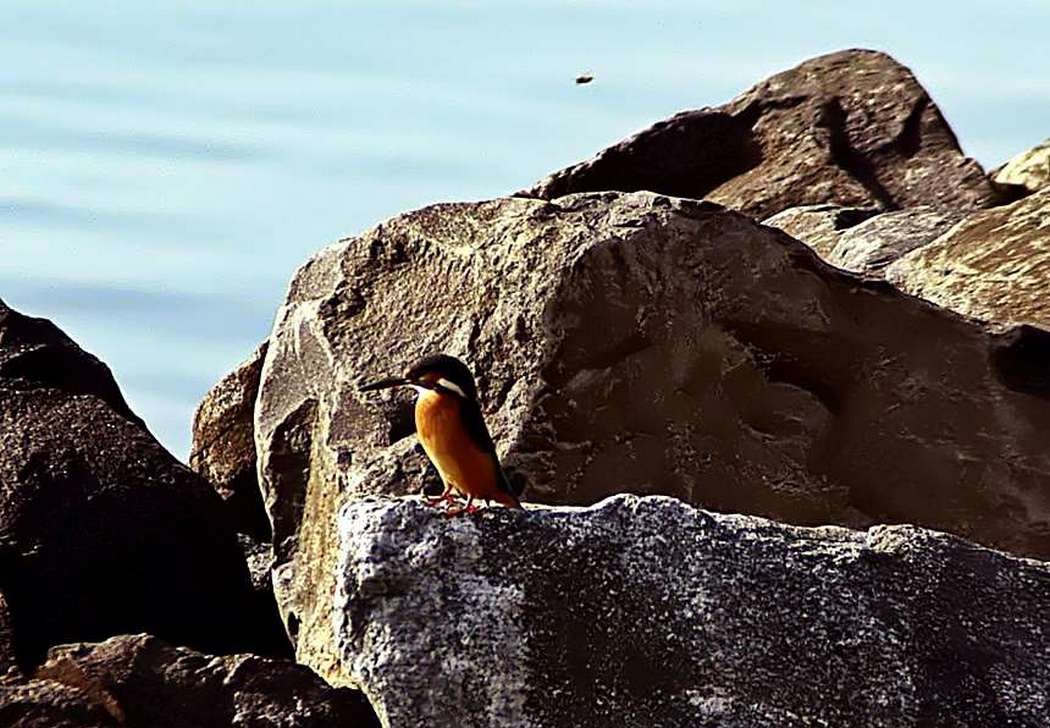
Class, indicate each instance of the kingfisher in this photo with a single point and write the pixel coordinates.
(453, 432)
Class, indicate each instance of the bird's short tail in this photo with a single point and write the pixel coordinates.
(505, 493)
(507, 499)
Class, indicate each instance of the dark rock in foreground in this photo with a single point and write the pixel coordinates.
(646, 612)
(853, 128)
(49, 704)
(637, 343)
(140, 682)
(101, 530)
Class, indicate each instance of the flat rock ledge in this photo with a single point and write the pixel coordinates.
(646, 611)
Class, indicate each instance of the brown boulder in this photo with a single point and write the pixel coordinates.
(995, 265)
(101, 530)
(636, 343)
(224, 445)
(138, 681)
(853, 128)
(50, 704)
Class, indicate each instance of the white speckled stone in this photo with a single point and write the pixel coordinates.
(648, 612)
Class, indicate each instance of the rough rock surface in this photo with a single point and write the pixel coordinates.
(49, 704)
(995, 265)
(648, 612)
(224, 445)
(1029, 170)
(223, 453)
(138, 681)
(636, 343)
(819, 226)
(846, 239)
(853, 128)
(101, 530)
(8, 660)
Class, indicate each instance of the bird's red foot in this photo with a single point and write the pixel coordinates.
(470, 507)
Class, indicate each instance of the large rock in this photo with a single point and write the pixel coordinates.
(101, 530)
(648, 612)
(224, 445)
(868, 244)
(995, 265)
(852, 128)
(1029, 170)
(138, 681)
(636, 343)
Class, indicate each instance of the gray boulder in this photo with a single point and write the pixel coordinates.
(646, 612)
(853, 128)
(637, 343)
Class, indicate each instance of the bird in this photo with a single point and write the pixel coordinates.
(452, 430)
(585, 78)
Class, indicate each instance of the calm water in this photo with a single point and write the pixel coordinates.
(164, 167)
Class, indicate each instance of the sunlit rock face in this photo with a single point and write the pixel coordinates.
(994, 265)
(1029, 170)
(644, 344)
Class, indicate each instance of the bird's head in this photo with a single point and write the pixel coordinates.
(439, 373)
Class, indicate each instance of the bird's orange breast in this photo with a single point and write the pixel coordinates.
(460, 461)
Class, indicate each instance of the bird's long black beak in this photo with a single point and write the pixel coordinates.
(384, 384)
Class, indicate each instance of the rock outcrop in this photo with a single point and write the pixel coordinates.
(137, 681)
(637, 343)
(853, 128)
(101, 530)
(849, 238)
(648, 612)
(224, 445)
(995, 265)
(1029, 170)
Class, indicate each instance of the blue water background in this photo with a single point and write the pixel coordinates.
(165, 166)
